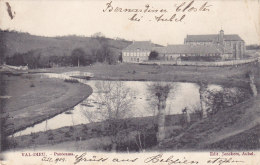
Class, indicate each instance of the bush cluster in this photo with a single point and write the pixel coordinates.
(71, 81)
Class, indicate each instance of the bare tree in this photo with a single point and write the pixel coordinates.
(160, 91)
(251, 75)
(114, 101)
(103, 53)
(97, 35)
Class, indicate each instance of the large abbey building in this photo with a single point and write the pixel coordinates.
(226, 47)
(225, 43)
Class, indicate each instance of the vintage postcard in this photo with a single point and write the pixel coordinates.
(130, 82)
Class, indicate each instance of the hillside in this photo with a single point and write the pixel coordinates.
(16, 42)
(235, 128)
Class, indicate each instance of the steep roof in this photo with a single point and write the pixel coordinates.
(141, 45)
(212, 37)
(159, 49)
(189, 49)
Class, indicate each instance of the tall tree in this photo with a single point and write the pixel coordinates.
(106, 51)
(153, 55)
(32, 59)
(77, 56)
(161, 92)
(104, 54)
(120, 58)
(202, 91)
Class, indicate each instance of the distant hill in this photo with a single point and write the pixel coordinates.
(15, 42)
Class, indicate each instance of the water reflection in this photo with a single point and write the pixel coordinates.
(184, 95)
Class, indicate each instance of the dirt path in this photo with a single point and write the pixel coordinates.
(250, 119)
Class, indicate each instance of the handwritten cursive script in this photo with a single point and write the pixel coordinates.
(160, 159)
(83, 158)
(169, 160)
(220, 161)
(176, 13)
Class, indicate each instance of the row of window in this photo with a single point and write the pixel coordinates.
(199, 43)
(192, 54)
(169, 58)
(133, 59)
(136, 53)
(233, 43)
(228, 43)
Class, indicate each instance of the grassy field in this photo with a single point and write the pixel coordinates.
(218, 75)
(34, 98)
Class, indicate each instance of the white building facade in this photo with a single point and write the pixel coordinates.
(137, 52)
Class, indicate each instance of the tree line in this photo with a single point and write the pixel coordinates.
(77, 57)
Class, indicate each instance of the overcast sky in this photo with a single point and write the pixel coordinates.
(57, 18)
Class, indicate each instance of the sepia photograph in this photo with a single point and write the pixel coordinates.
(130, 77)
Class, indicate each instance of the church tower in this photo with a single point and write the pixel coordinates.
(221, 37)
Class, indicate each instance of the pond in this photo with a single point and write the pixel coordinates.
(183, 95)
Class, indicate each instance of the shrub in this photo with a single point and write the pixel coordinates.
(67, 134)
(71, 129)
(32, 85)
(34, 135)
(50, 136)
(153, 55)
(71, 81)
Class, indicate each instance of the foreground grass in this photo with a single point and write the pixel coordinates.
(246, 140)
(96, 132)
(34, 99)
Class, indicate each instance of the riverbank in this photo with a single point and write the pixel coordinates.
(37, 98)
(68, 137)
(226, 130)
